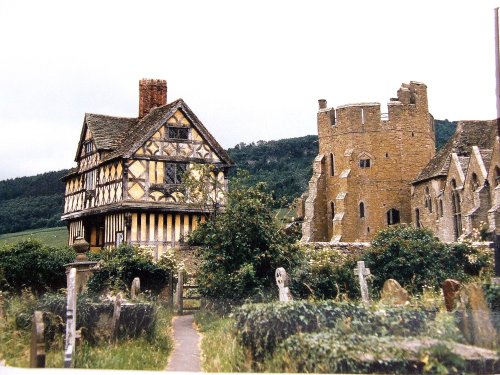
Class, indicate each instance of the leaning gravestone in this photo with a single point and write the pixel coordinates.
(450, 293)
(362, 272)
(135, 289)
(475, 317)
(115, 322)
(37, 350)
(393, 293)
(282, 282)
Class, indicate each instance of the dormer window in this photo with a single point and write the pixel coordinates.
(178, 133)
(364, 163)
(87, 147)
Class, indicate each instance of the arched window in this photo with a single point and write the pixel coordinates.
(361, 210)
(417, 217)
(392, 216)
(332, 165)
(332, 209)
(456, 210)
(497, 176)
(474, 182)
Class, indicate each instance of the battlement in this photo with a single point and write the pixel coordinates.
(411, 101)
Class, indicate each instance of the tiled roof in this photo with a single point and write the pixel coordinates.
(122, 136)
(468, 134)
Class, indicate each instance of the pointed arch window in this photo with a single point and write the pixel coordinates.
(474, 182)
(456, 209)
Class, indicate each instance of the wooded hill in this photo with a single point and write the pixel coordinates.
(285, 165)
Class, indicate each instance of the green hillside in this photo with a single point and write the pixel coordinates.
(285, 165)
(48, 236)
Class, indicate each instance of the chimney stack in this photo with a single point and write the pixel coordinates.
(152, 93)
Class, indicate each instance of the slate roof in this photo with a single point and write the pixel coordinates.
(122, 136)
(469, 133)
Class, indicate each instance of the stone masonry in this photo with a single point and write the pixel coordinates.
(367, 160)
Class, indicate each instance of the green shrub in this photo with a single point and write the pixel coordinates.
(325, 273)
(241, 248)
(333, 352)
(118, 267)
(416, 259)
(261, 327)
(29, 264)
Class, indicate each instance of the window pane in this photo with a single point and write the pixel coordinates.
(183, 133)
(172, 133)
(170, 175)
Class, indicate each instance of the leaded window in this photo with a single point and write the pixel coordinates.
(174, 173)
(178, 133)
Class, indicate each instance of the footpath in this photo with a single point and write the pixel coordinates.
(187, 353)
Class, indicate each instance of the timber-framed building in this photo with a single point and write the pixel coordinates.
(127, 186)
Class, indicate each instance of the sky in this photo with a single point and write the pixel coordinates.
(250, 70)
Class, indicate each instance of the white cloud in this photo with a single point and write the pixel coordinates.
(250, 69)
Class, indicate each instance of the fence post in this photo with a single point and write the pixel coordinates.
(179, 292)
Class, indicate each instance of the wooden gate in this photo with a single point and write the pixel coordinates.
(188, 299)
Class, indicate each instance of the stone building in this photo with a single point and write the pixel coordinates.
(127, 186)
(367, 160)
(458, 190)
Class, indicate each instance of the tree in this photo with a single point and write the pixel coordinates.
(241, 250)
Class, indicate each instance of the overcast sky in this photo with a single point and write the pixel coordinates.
(250, 70)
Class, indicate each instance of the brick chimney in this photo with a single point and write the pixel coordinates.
(152, 93)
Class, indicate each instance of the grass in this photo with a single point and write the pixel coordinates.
(57, 237)
(143, 353)
(221, 351)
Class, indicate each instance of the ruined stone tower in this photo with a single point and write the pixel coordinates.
(367, 160)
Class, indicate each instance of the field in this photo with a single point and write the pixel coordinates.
(48, 236)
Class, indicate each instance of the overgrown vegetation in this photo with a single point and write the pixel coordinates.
(220, 347)
(29, 264)
(118, 267)
(241, 249)
(417, 259)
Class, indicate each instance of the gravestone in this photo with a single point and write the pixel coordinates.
(115, 322)
(362, 272)
(393, 293)
(69, 347)
(37, 350)
(282, 282)
(135, 288)
(475, 317)
(450, 293)
(2, 309)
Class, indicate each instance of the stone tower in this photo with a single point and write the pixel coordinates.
(367, 160)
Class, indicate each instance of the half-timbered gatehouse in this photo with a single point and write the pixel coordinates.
(128, 183)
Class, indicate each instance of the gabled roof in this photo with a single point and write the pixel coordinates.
(122, 136)
(468, 134)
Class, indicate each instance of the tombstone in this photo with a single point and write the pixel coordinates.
(362, 272)
(69, 347)
(37, 350)
(2, 309)
(135, 289)
(475, 317)
(115, 322)
(450, 293)
(282, 282)
(393, 293)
